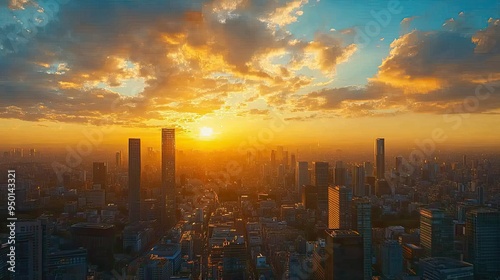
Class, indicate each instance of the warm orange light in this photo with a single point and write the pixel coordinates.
(206, 131)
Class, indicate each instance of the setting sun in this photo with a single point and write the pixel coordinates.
(206, 131)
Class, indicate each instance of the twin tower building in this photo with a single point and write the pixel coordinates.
(167, 198)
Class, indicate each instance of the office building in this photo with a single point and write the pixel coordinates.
(100, 174)
(118, 159)
(154, 267)
(98, 239)
(379, 158)
(340, 174)
(436, 233)
(68, 264)
(320, 181)
(301, 175)
(235, 261)
(392, 259)
(171, 252)
(382, 187)
(446, 269)
(482, 248)
(168, 214)
(31, 249)
(344, 250)
(310, 197)
(134, 179)
(361, 212)
(339, 207)
(358, 173)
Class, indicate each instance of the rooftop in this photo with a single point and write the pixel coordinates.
(92, 226)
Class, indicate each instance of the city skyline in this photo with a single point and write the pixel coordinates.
(250, 139)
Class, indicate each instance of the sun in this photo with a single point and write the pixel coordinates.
(206, 131)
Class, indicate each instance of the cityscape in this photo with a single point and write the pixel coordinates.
(249, 140)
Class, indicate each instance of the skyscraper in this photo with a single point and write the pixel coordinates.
(368, 168)
(482, 248)
(344, 249)
(392, 259)
(98, 239)
(118, 159)
(100, 174)
(301, 175)
(320, 180)
(380, 158)
(359, 180)
(134, 179)
(168, 214)
(361, 212)
(31, 249)
(340, 174)
(339, 207)
(235, 260)
(436, 233)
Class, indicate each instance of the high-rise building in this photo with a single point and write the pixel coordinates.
(168, 216)
(480, 195)
(31, 249)
(436, 233)
(235, 261)
(482, 248)
(445, 269)
(368, 168)
(344, 250)
(358, 172)
(339, 207)
(399, 165)
(361, 212)
(100, 174)
(382, 187)
(320, 180)
(134, 179)
(301, 175)
(340, 174)
(380, 158)
(392, 259)
(98, 239)
(118, 159)
(310, 197)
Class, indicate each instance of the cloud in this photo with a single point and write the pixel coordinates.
(192, 56)
(442, 71)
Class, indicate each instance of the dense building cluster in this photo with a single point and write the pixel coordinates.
(185, 215)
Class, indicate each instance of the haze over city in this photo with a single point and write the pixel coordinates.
(250, 139)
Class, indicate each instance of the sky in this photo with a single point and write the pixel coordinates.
(250, 72)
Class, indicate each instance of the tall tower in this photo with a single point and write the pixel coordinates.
(134, 179)
(339, 207)
(380, 158)
(436, 233)
(320, 180)
(301, 176)
(168, 192)
(359, 180)
(361, 213)
(99, 174)
(344, 250)
(118, 159)
(340, 174)
(482, 246)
